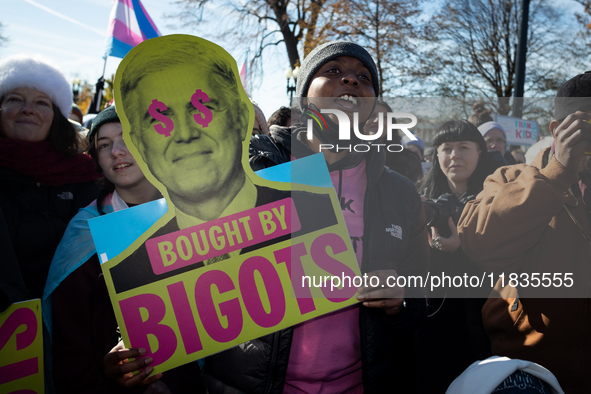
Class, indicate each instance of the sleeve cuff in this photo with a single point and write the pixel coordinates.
(559, 176)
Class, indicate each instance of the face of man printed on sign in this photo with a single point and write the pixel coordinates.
(187, 114)
(187, 121)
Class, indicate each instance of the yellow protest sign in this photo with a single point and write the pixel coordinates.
(21, 348)
(235, 256)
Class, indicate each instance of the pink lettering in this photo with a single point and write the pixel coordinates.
(251, 295)
(19, 317)
(184, 317)
(229, 309)
(202, 242)
(327, 262)
(138, 329)
(19, 370)
(296, 272)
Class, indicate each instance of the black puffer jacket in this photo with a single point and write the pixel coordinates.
(37, 216)
(260, 366)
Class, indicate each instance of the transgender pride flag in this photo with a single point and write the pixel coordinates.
(129, 24)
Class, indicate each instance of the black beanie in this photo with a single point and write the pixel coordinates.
(328, 51)
(108, 115)
(574, 95)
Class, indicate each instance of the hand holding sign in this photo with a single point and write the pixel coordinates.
(120, 369)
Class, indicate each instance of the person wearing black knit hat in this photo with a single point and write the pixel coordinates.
(329, 51)
(357, 349)
(355, 96)
(536, 219)
(77, 310)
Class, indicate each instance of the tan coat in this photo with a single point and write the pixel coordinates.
(527, 220)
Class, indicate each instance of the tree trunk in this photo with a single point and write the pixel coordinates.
(310, 41)
(290, 40)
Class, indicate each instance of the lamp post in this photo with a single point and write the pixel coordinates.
(76, 84)
(291, 88)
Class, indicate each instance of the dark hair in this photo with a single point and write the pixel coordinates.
(481, 114)
(280, 117)
(106, 185)
(63, 135)
(435, 183)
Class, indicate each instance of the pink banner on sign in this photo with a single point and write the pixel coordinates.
(224, 235)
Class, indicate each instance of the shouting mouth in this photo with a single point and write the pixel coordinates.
(348, 101)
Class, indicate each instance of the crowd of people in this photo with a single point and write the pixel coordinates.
(502, 215)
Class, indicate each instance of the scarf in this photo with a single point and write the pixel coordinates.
(47, 166)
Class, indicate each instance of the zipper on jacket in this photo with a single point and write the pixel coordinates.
(273, 367)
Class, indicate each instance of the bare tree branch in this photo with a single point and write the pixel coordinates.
(474, 52)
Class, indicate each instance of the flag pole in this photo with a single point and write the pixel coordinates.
(105, 66)
(100, 93)
(118, 41)
(95, 105)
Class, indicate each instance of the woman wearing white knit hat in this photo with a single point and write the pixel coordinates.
(44, 179)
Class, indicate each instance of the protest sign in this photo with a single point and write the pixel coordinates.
(21, 349)
(519, 131)
(235, 256)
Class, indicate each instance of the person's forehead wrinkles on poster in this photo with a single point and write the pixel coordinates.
(188, 118)
(195, 136)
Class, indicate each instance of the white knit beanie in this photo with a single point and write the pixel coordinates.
(37, 72)
(488, 126)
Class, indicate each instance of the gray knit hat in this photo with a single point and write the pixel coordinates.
(328, 51)
(108, 115)
(574, 95)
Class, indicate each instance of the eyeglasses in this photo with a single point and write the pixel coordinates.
(499, 141)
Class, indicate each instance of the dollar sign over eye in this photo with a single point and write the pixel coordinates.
(168, 123)
(197, 99)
